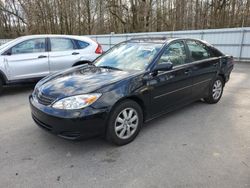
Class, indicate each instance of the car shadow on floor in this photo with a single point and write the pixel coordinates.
(150, 124)
(13, 90)
(100, 142)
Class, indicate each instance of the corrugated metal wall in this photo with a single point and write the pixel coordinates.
(2, 41)
(232, 41)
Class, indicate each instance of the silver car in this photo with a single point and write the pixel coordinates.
(30, 58)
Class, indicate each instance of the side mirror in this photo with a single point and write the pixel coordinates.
(8, 52)
(164, 66)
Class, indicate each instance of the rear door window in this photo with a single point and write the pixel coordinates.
(81, 44)
(198, 51)
(174, 53)
(61, 44)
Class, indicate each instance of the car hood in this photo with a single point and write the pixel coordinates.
(80, 80)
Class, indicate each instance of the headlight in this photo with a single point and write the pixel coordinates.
(76, 102)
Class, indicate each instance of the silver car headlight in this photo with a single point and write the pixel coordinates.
(77, 101)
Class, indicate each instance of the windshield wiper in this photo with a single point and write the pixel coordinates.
(109, 67)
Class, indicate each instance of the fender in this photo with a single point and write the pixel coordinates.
(84, 58)
(6, 66)
(88, 57)
(4, 69)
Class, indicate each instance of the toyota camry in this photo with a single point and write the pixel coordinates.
(132, 83)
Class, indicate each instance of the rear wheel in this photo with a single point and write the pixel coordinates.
(215, 91)
(124, 123)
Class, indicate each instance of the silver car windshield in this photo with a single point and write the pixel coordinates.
(129, 56)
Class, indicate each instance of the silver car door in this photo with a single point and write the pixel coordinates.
(28, 59)
(63, 54)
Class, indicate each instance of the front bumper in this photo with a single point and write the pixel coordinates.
(69, 124)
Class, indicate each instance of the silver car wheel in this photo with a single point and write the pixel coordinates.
(217, 89)
(126, 123)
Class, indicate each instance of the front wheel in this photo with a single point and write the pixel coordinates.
(124, 123)
(215, 91)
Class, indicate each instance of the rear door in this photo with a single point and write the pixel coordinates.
(28, 59)
(63, 54)
(204, 66)
(171, 88)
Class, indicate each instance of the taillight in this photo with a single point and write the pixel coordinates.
(232, 60)
(99, 49)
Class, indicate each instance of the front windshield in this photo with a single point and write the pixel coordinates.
(129, 56)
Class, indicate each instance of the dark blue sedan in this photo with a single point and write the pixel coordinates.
(132, 83)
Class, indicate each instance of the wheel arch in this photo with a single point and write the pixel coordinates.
(223, 77)
(136, 99)
(81, 63)
(3, 77)
(109, 130)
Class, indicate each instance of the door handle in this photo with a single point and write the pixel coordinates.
(188, 71)
(75, 53)
(215, 64)
(42, 56)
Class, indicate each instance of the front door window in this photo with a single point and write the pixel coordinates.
(29, 46)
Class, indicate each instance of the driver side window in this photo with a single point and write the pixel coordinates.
(174, 53)
(29, 46)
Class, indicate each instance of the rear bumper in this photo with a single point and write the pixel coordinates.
(73, 124)
(228, 73)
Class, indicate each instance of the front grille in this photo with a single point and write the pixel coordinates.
(44, 100)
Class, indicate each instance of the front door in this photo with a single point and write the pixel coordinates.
(173, 87)
(28, 59)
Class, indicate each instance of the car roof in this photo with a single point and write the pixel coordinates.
(27, 37)
(150, 39)
(163, 39)
(54, 36)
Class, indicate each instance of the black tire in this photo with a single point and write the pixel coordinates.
(1, 85)
(111, 133)
(211, 99)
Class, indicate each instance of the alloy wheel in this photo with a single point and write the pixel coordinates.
(217, 89)
(126, 123)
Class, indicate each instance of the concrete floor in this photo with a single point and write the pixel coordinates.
(198, 146)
